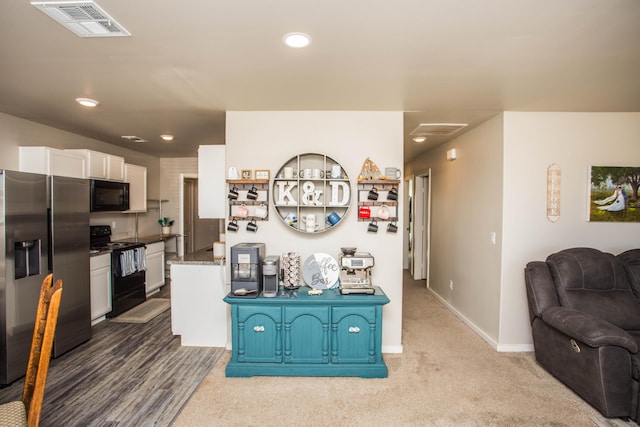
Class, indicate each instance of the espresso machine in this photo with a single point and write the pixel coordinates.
(246, 269)
(355, 273)
(270, 276)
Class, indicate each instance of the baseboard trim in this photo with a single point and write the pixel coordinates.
(392, 349)
(515, 348)
(511, 348)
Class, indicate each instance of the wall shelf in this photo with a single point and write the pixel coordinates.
(383, 187)
(242, 186)
(309, 194)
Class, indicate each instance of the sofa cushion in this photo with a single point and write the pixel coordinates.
(596, 283)
(631, 261)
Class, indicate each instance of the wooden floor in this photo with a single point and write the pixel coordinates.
(126, 375)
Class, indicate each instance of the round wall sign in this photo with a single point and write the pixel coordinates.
(321, 271)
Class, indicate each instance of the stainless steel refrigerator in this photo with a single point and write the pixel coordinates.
(69, 259)
(44, 223)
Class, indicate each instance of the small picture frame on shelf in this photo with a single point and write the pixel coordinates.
(262, 174)
(246, 174)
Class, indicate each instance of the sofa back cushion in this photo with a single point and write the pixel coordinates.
(595, 283)
(631, 261)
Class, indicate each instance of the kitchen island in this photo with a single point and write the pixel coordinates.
(198, 312)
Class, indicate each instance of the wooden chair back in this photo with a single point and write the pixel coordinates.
(41, 344)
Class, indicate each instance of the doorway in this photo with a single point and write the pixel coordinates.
(197, 233)
(420, 227)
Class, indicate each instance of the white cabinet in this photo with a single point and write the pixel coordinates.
(51, 161)
(101, 165)
(136, 176)
(212, 201)
(155, 267)
(100, 267)
(198, 313)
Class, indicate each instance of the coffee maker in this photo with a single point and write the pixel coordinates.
(355, 273)
(270, 276)
(246, 269)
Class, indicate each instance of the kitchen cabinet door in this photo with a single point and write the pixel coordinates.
(100, 279)
(136, 176)
(50, 161)
(259, 334)
(155, 267)
(101, 165)
(354, 335)
(115, 168)
(212, 201)
(306, 334)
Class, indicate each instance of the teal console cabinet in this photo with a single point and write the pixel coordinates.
(297, 334)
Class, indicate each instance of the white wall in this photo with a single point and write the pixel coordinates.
(499, 183)
(266, 140)
(466, 208)
(574, 141)
(16, 132)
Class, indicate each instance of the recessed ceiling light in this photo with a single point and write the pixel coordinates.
(87, 102)
(296, 40)
(167, 137)
(419, 139)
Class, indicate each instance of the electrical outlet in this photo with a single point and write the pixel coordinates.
(451, 285)
(113, 225)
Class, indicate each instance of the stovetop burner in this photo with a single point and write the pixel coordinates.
(101, 240)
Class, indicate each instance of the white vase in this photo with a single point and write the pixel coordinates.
(166, 230)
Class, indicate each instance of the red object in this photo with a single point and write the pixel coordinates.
(364, 211)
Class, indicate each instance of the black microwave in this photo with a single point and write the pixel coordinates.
(109, 196)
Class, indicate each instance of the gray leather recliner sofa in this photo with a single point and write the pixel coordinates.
(584, 309)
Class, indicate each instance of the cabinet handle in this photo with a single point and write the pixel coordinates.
(354, 329)
(258, 328)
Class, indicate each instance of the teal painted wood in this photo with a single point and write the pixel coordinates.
(354, 335)
(259, 334)
(303, 325)
(307, 335)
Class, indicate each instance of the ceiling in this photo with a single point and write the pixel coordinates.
(189, 61)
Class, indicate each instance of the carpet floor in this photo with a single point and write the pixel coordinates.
(447, 376)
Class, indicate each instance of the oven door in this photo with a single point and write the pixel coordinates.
(128, 284)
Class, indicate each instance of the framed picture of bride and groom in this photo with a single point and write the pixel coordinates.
(613, 194)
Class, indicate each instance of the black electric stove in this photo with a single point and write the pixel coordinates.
(128, 269)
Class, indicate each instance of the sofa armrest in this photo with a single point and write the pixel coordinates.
(588, 329)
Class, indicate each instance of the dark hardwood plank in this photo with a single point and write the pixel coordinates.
(127, 374)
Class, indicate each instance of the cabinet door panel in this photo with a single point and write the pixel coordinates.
(306, 335)
(259, 334)
(353, 335)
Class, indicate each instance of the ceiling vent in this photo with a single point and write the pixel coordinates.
(437, 129)
(84, 18)
(134, 138)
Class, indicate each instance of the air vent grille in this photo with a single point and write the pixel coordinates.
(84, 18)
(134, 138)
(437, 129)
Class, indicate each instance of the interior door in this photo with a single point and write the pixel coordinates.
(418, 230)
(190, 210)
(407, 256)
(422, 227)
